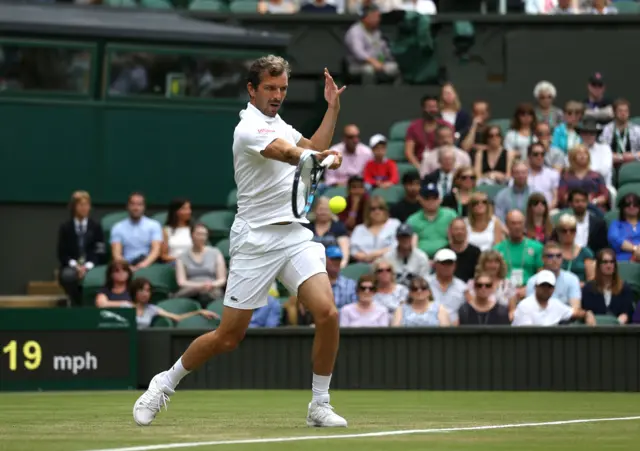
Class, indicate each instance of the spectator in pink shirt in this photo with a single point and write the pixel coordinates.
(364, 312)
(355, 157)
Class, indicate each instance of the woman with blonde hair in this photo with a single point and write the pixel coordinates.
(484, 229)
(575, 258)
(565, 136)
(538, 224)
(492, 263)
(545, 93)
(377, 235)
(389, 293)
(451, 109)
(420, 309)
(580, 176)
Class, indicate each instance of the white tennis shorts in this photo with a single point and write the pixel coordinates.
(260, 255)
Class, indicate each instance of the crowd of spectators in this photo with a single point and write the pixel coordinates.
(493, 226)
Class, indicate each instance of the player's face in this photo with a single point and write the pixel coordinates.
(270, 93)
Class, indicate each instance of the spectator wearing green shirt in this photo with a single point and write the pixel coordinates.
(431, 224)
(522, 255)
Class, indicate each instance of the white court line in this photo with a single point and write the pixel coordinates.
(365, 434)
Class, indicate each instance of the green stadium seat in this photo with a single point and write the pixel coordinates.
(490, 190)
(156, 4)
(606, 320)
(335, 191)
(556, 216)
(353, 271)
(216, 306)
(179, 306)
(219, 223)
(629, 173)
(208, 5)
(611, 216)
(626, 7)
(244, 7)
(162, 278)
(504, 124)
(161, 217)
(635, 120)
(160, 321)
(108, 221)
(395, 151)
(630, 273)
(121, 3)
(232, 200)
(398, 130)
(197, 322)
(404, 168)
(223, 246)
(93, 281)
(391, 195)
(628, 188)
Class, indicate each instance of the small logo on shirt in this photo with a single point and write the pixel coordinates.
(234, 299)
(265, 131)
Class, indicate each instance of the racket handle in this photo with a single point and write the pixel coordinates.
(327, 162)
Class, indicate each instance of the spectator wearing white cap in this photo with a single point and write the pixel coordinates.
(409, 261)
(447, 289)
(380, 172)
(542, 309)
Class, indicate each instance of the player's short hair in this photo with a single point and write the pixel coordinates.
(271, 64)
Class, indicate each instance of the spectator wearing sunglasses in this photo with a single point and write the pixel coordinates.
(492, 263)
(481, 309)
(537, 220)
(467, 255)
(484, 230)
(355, 156)
(624, 234)
(389, 293)
(464, 182)
(364, 312)
(420, 310)
(565, 136)
(447, 289)
(575, 258)
(520, 135)
(377, 235)
(546, 113)
(492, 164)
(567, 285)
(598, 106)
(608, 294)
(542, 309)
(541, 178)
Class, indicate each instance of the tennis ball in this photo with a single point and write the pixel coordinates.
(337, 204)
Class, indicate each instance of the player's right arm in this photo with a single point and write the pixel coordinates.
(281, 150)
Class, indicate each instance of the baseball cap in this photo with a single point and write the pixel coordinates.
(377, 139)
(333, 252)
(429, 190)
(404, 230)
(444, 255)
(596, 79)
(546, 276)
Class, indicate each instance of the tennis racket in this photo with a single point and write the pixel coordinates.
(305, 182)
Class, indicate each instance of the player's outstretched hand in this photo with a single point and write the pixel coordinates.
(331, 91)
(324, 154)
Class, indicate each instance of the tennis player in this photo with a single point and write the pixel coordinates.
(268, 242)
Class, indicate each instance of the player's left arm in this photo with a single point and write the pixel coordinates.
(322, 138)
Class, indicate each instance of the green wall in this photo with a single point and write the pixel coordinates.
(52, 147)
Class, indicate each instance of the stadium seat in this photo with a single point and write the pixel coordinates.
(395, 151)
(404, 168)
(504, 124)
(93, 281)
(630, 273)
(398, 130)
(179, 306)
(391, 195)
(156, 4)
(244, 7)
(490, 190)
(335, 191)
(626, 7)
(611, 216)
(635, 120)
(216, 306)
(197, 322)
(232, 200)
(353, 271)
(208, 5)
(218, 223)
(162, 278)
(628, 188)
(223, 246)
(556, 216)
(629, 173)
(161, 217)
(111, 219)
(606, 320)
(121, 3)
(160, 321)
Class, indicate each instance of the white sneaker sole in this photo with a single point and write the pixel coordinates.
(313, 424)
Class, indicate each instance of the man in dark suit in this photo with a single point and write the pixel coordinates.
(80, 246)
(592, 229)
(443, 177)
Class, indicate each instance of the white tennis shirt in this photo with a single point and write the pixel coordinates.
(264, 185)
(530, 313)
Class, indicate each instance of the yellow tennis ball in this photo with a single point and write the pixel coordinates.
(337, 204)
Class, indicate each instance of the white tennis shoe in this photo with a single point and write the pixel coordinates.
(321, 415)
(152, 401)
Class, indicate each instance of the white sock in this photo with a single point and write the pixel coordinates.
(175, 374)
(320, 388)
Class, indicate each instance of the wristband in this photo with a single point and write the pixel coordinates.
(307, 152)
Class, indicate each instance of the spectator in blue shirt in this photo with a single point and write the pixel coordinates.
(268, 315)
(137, 239)
(567, 287)
(344, 290)
(624, 234)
